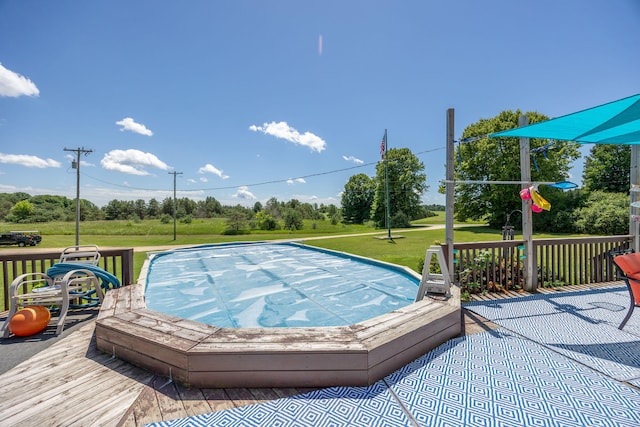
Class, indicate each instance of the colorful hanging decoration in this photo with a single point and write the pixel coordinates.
(538, 203)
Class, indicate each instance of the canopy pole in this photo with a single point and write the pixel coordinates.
(527, 217)
(634, 177)
(449, 193)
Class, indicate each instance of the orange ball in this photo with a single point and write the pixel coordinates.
(29, 320)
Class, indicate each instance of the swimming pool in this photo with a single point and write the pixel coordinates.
(266, 353)
(274, 285)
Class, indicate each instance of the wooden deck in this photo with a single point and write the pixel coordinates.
(71, 383)
(200, 355)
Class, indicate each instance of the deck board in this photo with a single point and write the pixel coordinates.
(146, 408)
(193, 400)
(171, 406)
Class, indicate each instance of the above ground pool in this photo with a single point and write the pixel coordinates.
(273, 315)
(267, 285)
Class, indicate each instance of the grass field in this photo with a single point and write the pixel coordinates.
(407, 250)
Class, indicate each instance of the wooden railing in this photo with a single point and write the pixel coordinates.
(118, 262)
(499, 265)
(478, 266)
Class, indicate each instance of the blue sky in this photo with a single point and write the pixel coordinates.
(250, 100)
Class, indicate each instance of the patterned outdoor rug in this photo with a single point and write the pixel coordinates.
(581, 325)
(493, 378)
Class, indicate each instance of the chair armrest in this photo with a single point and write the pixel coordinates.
(26, 279)
(81, 280)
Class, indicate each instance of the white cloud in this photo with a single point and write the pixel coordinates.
(132, 162)
(208, 168)
(28, 161)
(244, 193)
(129, 124)
(284, 131)
(13, 84)
(296, 181)
(353, 159)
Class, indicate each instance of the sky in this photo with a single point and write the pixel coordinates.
(248, 100)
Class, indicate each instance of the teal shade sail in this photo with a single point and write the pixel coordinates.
(564, 185)
(616, 122)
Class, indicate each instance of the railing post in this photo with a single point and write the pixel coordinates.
(127, 267)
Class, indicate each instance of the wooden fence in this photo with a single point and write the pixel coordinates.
(118, 262)
(499, 265)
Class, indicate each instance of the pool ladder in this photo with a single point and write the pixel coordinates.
(434, 283)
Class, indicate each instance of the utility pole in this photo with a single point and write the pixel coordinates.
(174, 201)
(75, 164)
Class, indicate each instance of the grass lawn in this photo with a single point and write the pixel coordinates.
(407, 251)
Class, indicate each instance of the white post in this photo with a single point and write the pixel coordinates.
(449, 197)
(530, 274)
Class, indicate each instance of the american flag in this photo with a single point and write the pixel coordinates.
(383, 145)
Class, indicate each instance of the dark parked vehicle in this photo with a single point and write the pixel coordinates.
(20, 238)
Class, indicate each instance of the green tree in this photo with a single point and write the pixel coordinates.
(119, 209)
(140, 207)
(562, 216)
(607, 168)
(89, 211)
(293, 220)
(209, 208)
(357, 198)
(407, 182)
(21, 211)
(53, 208)
(273, 208)
(498, 159)
(5, 207)
(187, 206)
(153, 208)
(264, 221)
(167, 206)
(237, 221)
(604, 213)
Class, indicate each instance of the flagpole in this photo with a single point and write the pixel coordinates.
(386, 185)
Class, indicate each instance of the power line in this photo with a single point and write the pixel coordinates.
(277, 181)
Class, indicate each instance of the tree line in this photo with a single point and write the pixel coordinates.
(21, 207)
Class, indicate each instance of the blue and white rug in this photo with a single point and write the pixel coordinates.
(581, 325)
(494, 378)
